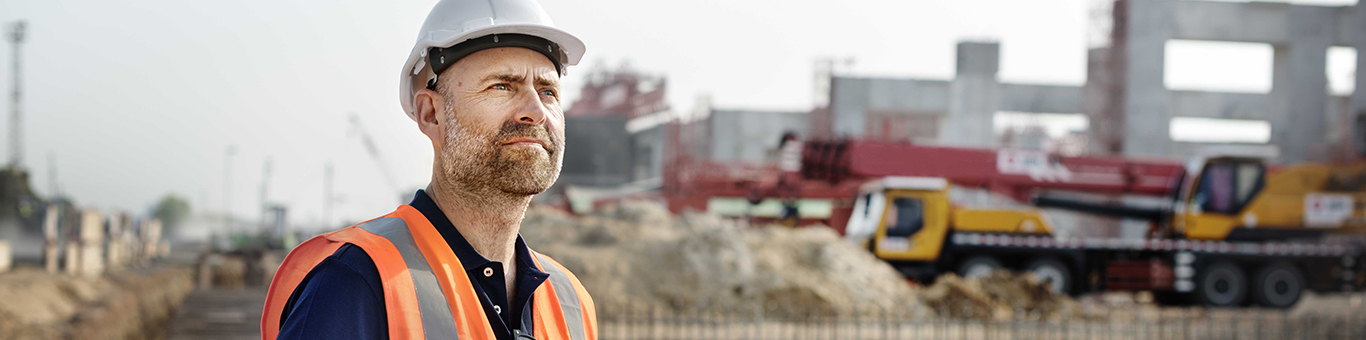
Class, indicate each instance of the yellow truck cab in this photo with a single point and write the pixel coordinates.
(906, 220)
(1241, 199)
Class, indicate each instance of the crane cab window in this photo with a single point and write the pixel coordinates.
(906, 217)
(867, 200)
(868, 212)
(1226, 187)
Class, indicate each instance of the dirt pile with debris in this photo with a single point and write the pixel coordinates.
(1003, 295)
(238, 269)
(638, 255)
(129, 304)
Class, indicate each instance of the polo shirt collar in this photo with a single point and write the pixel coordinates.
(469, 258)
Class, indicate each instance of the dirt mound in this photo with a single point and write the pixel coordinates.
(236, 270)
(120, 305)
(999, 296)
(637, 254)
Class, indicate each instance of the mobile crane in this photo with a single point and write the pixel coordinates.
(1236, 229)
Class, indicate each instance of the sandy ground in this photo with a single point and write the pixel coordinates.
(219, 314)
(126, 304)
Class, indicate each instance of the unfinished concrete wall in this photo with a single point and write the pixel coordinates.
(1304, 117)
(1358, 24)
(1145, 107)
(6, 256)
(597, 151)
(151, 239)
(751, 135)
(85, 250)
(962, 110)
(647, 153)
(1299, 85)
(50, 239)
(975, 96)
(852, 99)
(1298, 106)
(1040, 98)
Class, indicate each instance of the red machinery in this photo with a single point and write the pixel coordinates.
(835, 169)
(1018, 174)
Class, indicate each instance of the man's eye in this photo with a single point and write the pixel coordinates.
(500, 87)
(548, 93)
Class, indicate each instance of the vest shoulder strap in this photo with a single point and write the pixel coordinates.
(575, 310)
(400, 304)
(411, 275)
(292, 270)
(415, 305)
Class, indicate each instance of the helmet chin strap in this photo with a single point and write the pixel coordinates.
(442, 58)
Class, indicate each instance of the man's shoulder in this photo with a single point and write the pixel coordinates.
(354, 258)
(348, 266)
(343, 293)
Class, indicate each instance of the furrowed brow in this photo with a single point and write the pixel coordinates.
(543, 80)
(503, 77)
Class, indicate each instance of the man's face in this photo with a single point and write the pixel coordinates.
(502, 122)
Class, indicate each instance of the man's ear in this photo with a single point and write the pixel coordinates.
(426, 103)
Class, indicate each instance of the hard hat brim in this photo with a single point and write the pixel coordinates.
(572, 46)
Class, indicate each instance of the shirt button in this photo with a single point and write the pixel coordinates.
(497, 309)
(488, 271)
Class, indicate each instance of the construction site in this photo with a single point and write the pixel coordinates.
(891, 208)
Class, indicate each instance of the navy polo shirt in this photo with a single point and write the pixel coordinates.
(342, 297)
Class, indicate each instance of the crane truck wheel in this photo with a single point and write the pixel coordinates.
(978, 266)
(1278, 285)
(1221, 284)
(1170, 298)
(1052, 272)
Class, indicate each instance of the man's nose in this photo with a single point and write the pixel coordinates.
(532, 111)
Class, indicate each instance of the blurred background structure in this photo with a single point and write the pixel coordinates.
(199, 142)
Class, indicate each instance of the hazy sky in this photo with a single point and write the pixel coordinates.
(138, 99)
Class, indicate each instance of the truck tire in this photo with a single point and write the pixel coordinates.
(1173, 299)
(1221, 284)
(1056, 274)
(978, 266)
(1278, 285)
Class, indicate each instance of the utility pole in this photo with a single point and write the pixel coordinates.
(52, 175)
(227, 188)
(16, 37)
(265, 197)
(328, 197)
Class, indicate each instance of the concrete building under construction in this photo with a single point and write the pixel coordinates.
(1125, 98)
(619, 136)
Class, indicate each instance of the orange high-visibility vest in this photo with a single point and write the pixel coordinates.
(427, 294)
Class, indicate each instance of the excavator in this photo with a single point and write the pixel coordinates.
(1233, 230)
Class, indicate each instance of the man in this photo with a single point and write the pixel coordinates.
(790, 162)
(483, 85)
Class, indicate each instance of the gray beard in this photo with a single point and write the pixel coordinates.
(475, 162)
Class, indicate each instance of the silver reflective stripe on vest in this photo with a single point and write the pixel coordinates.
(569, 298)
(437, 322)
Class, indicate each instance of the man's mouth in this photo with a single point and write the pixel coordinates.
(527, 142)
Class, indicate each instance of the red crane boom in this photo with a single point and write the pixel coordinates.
(1015, 173)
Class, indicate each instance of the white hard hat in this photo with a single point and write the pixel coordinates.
(452, 22)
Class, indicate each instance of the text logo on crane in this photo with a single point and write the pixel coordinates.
(1034, 164)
